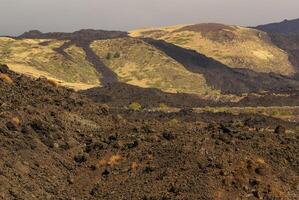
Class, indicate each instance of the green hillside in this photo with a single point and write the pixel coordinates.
(234, 46)
(138, 63)
(37, 57)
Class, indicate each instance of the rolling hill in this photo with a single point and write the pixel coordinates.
(285, 35)
(284, 27)
(138, 63)
(212, 61)
(39, 57)
(124, 59)
(234, 46)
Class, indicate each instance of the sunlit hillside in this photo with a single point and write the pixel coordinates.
(38, 57)
(234, 46)
(138, 63)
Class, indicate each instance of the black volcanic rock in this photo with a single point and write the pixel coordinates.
(84, 34)
(284, 27)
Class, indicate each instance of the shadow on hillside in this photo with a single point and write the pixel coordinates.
(122, 94)
(83, 39)
(222, 77)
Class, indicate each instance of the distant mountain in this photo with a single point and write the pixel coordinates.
(213, 61)
(284, 27)
(82, 35)
(234, 46)
(285, 35)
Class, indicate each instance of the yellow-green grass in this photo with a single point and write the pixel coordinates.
(234, 46)
(138, 63)
(288, 113)
(37, 57)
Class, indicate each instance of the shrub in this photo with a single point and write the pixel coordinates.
(16, 121)
(117, 55)
(135, 106)
(5, 78)
(173, 121)
(102, 163)
(134, 166)
(163, 106)
(108, 56)
(53, 83)
(114, 160)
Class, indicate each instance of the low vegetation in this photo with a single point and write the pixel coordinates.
(138, 63)
(135, 106)
(53, 83)
(163, 106)
(5, 78)
(286, 113)
(234, 46)
(38, 57)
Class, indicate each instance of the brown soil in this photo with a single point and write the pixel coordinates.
(57, 144)
(206, 27)
(213, 31)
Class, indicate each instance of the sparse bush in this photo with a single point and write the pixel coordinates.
(163, 106)
(134, 166)
(173, 121)
(135, 106)
(104, 109)
(117, 55)
(52, 82)
(16, 121)
(274, 113)
(111, 161)
(102, 162)
(114, 160)
(5, 78)
(238, 123)
(13, 124)
(108, 56)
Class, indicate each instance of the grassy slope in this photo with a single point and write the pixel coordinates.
(234, 46)
(29, 56)
(143, 65)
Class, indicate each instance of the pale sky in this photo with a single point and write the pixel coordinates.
(17, 16)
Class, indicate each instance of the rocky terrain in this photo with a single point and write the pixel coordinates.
(172, 113)
(57, 144)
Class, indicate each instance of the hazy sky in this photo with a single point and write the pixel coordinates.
(17, 16)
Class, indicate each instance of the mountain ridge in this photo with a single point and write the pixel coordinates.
(283, 27)
(174, 65)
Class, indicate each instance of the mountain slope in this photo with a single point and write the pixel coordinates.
(223, 78)
(83, 39)
(286, 36)
(234, 46)
(92, 58)
(138, 63)
(284, 27)
(39, 57)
